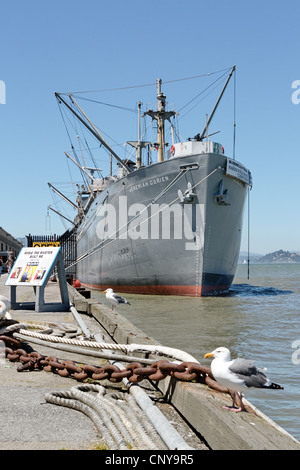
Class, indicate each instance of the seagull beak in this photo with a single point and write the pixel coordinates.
(104, 292)
(209, 355)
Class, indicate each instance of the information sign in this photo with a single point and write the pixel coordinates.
(239, 171)
(32, 266)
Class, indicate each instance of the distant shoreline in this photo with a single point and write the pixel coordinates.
(276, 257)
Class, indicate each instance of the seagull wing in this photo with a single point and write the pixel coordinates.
(120, 299)
(246, 370)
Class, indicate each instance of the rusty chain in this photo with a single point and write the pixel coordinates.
(135, 372)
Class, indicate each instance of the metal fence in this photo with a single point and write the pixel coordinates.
(68, 244)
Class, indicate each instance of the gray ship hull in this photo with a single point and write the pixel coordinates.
(170, 228)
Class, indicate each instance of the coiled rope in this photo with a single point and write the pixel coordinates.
(117, 418)
(122, 425)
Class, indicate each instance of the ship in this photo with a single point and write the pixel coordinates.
(172, 227)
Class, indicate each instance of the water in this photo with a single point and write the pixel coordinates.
(258, 319)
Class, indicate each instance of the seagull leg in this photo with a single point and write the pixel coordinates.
(242, 406)
(233, 407)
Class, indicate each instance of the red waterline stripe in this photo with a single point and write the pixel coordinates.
(192, 291)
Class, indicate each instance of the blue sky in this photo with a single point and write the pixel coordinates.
(95, 45)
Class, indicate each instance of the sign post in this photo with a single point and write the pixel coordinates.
(34, 267)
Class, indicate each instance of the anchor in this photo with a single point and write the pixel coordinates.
(221, 197)
(188, 194)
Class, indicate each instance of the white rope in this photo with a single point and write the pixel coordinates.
(126, 348)
(117, 421)
(118, 427)
(141, 428)
(58, 339)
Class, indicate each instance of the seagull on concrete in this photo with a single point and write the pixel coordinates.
(115, 298)
(237, 375)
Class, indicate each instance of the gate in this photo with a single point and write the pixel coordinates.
(67, 242)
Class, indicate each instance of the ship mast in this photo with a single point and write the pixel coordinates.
(160, 115)
(204, 132)
(138, 144)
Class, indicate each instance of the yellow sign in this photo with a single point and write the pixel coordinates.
(46, 244)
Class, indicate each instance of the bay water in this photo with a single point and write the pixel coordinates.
(259, 319)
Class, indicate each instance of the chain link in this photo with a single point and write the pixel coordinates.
(135, 372)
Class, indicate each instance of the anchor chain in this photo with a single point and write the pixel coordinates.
(135, 372)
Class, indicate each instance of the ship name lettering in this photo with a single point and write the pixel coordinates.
(151, 182)
(159, 179)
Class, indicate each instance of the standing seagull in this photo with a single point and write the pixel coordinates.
(237, 375)
(115, 298)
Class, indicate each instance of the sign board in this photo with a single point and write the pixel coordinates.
(239, 171)
(46, 243)
(33, 266)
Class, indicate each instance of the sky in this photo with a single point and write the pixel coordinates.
(72, 46)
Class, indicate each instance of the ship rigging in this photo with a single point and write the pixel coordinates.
(118, 242)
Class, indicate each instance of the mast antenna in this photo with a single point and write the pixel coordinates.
(139, 144)
(160, 115)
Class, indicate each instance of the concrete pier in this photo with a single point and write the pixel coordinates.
(31, 423)
(200, 405)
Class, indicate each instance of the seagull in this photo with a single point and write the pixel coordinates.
(115, 298)
(237, 375)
